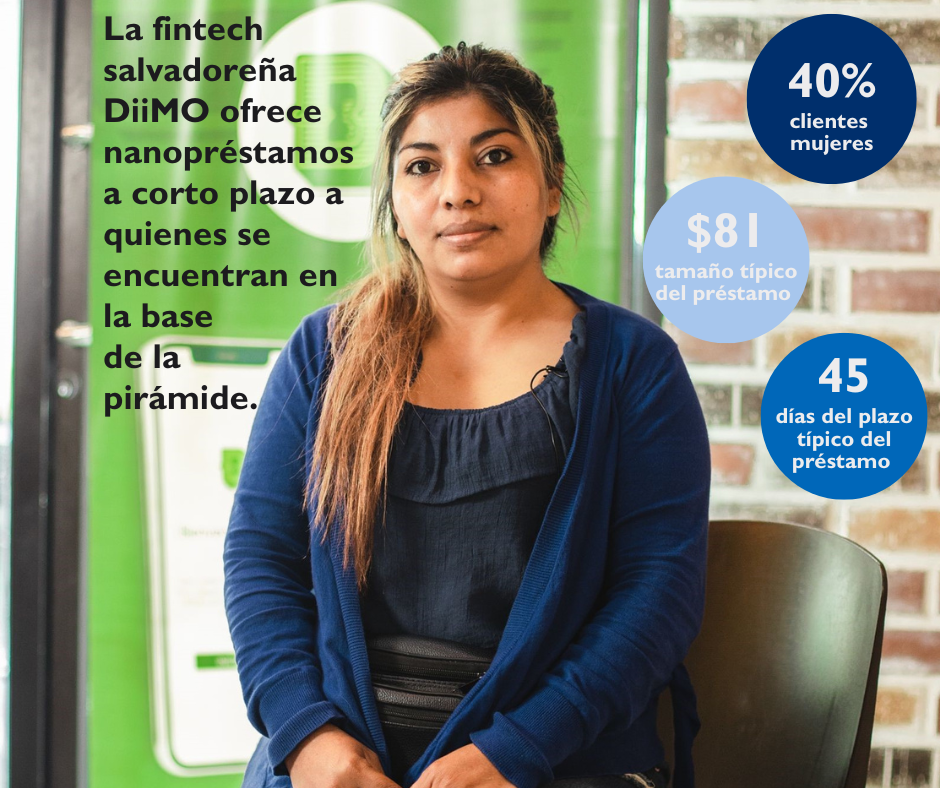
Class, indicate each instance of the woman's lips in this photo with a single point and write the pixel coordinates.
(465, 234)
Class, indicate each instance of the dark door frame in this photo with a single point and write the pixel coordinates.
(46, 627)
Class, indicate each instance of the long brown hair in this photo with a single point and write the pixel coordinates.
(377, 330)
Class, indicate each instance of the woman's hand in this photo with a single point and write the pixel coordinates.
(466, 767)
(331, 758)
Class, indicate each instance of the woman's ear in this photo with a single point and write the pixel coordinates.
(554, 193)
(398, 228)
(554, 201)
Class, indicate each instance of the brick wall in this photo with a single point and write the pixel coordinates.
(875, 269)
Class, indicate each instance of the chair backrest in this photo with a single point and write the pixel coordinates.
(786, 665)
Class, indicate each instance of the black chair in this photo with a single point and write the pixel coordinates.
(786, 665)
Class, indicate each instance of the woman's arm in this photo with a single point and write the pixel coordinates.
(654, 590)
(269, 602)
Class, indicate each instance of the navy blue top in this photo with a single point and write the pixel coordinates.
(611, 599)
(467, 492)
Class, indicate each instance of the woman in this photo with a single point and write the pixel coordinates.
(405, 474)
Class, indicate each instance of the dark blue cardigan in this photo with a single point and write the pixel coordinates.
(611, 598)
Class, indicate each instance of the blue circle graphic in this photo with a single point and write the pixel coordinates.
(844, 416)
(831, 98)
(726, 259)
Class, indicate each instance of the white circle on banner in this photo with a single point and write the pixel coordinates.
(358, 27)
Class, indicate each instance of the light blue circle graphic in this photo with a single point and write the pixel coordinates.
(726, 259)
(844, 416)
(831, 98)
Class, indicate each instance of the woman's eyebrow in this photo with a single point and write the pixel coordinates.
(475, 140)
(485, 135)
(419, 146)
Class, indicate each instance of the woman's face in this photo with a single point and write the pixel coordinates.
(468, 193)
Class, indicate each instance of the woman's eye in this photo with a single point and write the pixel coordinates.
(419, 167)
(496, 156)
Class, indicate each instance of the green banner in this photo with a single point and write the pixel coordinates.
(157, 484)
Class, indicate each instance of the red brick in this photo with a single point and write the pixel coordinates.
(919, 39)
(910, 768)
(721, 38)
(751, 399)
(741, 38)
(715, 101)
(865, 229)
(692, 160)
(920, 114)
(911, 652)
(896, 291)
(895, 707)
(698, 351)
(917, 351)
(732, 463)
(915, 478)
(915, 166)
(906, 592)
(897, 529)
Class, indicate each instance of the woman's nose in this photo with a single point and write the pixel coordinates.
(460, 185)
